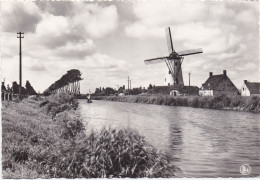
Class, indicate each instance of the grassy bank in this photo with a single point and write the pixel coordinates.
(45, 138)
(238, 103)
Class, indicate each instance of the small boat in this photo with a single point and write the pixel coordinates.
(88, 99)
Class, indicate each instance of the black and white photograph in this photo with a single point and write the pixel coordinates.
(130, 89)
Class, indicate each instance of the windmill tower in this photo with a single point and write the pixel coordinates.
(174, 60)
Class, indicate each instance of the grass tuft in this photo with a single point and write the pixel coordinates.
(37, 144)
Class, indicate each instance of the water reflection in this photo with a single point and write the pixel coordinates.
(202, 142)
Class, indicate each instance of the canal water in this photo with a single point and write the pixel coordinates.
(203, 142)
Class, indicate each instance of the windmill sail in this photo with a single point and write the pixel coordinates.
(190, 52)
(155, 60)
(169, 40)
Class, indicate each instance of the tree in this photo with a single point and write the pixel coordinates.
(109, 91)
(71, 76)
(150, 87)
(3, 87)
(121, 89)
(136, 91)
(29, 89)
(15, 87)
(97, 90)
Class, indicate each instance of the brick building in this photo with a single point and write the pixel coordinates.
(218, 84)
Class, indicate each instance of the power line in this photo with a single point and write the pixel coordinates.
(128, 85)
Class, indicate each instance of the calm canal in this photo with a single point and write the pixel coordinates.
(203, 142)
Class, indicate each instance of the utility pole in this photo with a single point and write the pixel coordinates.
(128, 85)
(189, 84)
(20, 69)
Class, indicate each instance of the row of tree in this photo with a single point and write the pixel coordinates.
(28, 90)
(71, 76)
(110, 91)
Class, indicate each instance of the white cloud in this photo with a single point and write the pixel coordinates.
(76, 49)
(53, 26)
(162, 13)
(97, 21)
(19, 16)
(246, 17)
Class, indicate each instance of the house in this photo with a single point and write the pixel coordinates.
(175, 90)
(250, 88)
(185, 91)
(218, 84)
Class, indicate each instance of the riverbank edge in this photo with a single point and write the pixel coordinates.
(221, 102)
(45, 138)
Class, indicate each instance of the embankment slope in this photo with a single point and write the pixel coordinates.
(45, 138)
(237, 103)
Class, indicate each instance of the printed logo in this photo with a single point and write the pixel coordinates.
(245, 169)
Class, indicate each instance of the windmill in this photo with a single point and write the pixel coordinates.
(174, 60)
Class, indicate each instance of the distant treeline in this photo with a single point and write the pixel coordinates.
(238, 103)
(28, 90)
(111, 91)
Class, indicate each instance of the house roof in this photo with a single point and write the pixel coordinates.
(186, 89)
(213, 81)
(253, 87)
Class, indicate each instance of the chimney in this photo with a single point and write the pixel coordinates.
(224, 72)
(245, 81)
(210, 74)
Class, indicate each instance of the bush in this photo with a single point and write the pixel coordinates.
(120, 153)
(213, 102)
(59, 102)
(195, 102)
(254, 104)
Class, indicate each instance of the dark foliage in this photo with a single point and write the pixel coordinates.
(29, 89)
(71, 76)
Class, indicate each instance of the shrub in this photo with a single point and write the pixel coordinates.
(254, 104)
(124, 153)
(195, 102)
(61, 97)
(213, 102)
(59, 102)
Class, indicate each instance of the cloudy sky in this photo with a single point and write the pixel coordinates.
(108, 41)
